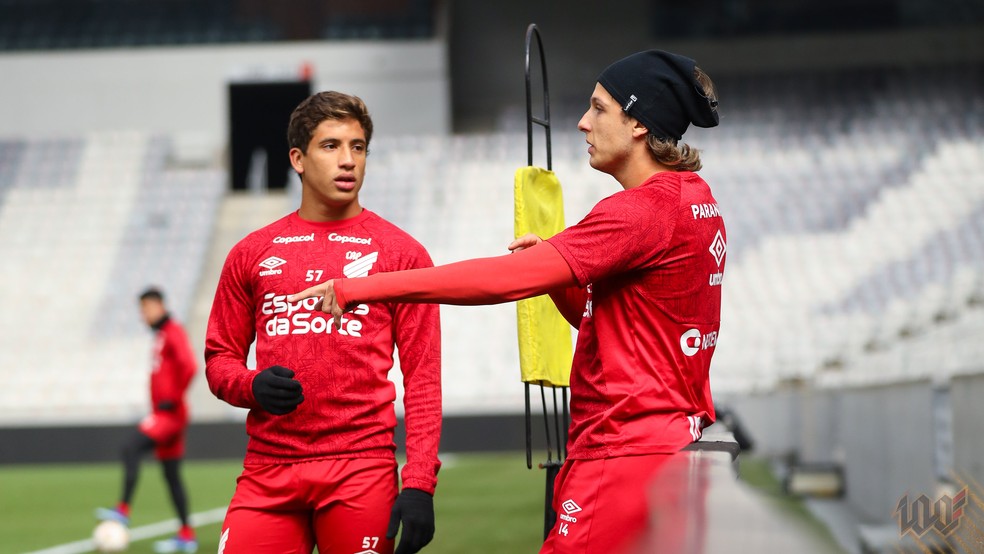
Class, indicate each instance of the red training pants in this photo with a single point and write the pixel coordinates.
(342, 506)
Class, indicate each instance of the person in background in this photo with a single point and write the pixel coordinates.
(173, 366)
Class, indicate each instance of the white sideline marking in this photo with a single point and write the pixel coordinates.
(139, 533)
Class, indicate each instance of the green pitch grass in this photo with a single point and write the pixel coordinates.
(484, 503)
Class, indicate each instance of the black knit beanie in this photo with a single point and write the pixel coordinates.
(659, 89)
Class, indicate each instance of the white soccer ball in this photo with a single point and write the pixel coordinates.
(111, 536)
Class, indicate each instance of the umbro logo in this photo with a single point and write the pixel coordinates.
(718, 248)
(272, 262)
(270, 266)
(570, 507)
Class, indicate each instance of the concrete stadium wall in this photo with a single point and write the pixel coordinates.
(771, 418)
(184, 89)
(820, 426)
(966, 393)
(882, 436)
(888, 442)
(101, 443)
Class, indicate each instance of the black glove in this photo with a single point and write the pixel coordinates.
(415, 508)
(276, 390)
(166, 406)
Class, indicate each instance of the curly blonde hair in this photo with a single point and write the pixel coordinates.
(682, 157)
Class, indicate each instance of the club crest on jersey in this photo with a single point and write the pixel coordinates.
(270, 266)
(361, 266)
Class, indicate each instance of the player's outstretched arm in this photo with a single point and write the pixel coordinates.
(570, 301)
(529, 272)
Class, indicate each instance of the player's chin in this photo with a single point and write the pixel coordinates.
(596, 162)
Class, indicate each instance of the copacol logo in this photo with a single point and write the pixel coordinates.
(921, 515)
(297, 238)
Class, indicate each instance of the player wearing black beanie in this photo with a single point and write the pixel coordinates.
(662, 91)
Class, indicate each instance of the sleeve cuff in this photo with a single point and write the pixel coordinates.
(427, 486)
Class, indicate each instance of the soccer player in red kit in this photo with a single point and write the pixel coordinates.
(640, 277)
(163, 430)
(320, 467)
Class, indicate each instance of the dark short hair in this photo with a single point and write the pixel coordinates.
(323, 106)
(152, 293)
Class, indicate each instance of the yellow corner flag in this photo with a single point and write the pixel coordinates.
(544, 335)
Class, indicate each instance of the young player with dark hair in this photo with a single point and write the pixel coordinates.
(163, 430)
(639, 277)
(320, 466)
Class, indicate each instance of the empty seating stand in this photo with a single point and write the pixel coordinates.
(854, 206)
(86, 223)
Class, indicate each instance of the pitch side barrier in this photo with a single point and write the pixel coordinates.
(698, 505)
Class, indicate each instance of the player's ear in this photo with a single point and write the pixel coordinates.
(297, 160)
(638, 129)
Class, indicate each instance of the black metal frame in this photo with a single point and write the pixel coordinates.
(533, 32)
(560, 431)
